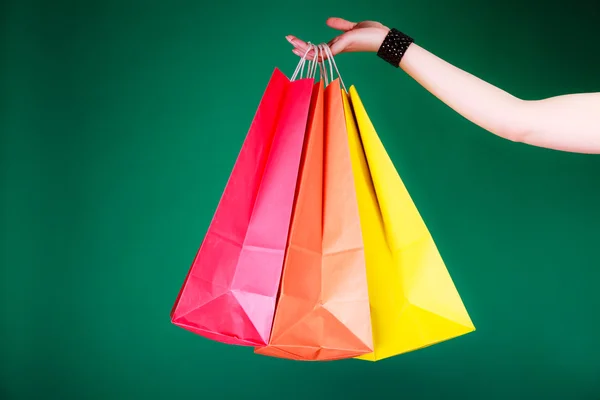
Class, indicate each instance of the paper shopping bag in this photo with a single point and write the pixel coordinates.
(414, 302)
(323, 309)
(230, 292)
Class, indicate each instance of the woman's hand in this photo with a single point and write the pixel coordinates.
(567, 122)
(364, 36)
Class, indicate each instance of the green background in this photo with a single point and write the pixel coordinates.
(120, 122)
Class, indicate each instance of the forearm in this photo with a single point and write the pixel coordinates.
(570, 123)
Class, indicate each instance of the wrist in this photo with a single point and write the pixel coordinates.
(394, 46)
(379, 38)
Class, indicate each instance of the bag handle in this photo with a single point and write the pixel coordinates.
(322, 70)
(322, 52)
(332, 64)
(314, 63)
(320, 57)
(300, 66)
(322, 46)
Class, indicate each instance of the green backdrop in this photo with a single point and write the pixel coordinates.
(120, 122)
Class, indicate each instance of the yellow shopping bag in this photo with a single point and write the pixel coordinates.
(414, 302)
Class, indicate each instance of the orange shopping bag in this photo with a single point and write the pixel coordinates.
(323, 308)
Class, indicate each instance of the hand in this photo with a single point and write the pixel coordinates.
(365, 36)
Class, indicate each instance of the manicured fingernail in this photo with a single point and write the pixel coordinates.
(290, 39)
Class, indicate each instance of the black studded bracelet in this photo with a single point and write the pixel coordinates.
(394, 46)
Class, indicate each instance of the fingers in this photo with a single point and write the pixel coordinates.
(297, 43)
(311, 55)
(337, 45)
(301, 47)
(340, 24)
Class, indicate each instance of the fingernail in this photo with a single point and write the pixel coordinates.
(289, 39)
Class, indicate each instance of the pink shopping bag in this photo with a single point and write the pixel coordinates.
(231, 288)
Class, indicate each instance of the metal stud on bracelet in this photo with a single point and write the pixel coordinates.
(394, 46)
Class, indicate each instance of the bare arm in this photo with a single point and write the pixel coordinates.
(568, 122)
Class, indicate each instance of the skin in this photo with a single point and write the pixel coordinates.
(568, 122)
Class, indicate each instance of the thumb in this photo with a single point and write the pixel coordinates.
(339, 44)
(340, 24)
